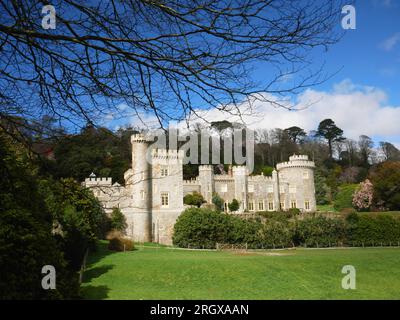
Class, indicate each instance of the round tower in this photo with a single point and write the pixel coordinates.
(296, 182)
(141, 189)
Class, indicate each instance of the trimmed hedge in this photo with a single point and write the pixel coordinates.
(204, 228)
(369, 230)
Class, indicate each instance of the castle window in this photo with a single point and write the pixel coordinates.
(164, 199)
(270, 206)
(226, 206)
(307, 205)
(251, 187)
(305, 175)
(164, 172)
(224, 187)
(260, 205)
(142, 194)
(282, 206)
(251, 206)
(292, 189)
(282, 189)
(270, 189)
(293, 204)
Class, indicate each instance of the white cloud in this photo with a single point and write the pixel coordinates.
(356, 109)
(389, 43)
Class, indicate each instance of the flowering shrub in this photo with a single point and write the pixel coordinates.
(363, 197)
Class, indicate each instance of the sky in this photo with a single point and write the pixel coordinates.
(363, 94)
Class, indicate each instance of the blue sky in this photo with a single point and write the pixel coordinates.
(370, 55)
(362, 96)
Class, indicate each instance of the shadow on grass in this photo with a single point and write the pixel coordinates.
(95, 292)
(96, 272)
(92, 271)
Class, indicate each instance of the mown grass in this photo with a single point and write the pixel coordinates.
(164, 273)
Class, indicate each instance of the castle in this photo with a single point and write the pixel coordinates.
(152, 198)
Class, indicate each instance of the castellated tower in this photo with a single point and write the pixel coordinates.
(206, 179)
(240, 176)
(296, 183)
(139, 184)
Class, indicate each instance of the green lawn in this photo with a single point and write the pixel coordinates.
(164, 273)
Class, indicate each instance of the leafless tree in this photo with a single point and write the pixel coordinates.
(166, 58)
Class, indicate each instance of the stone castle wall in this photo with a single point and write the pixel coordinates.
(152, 197)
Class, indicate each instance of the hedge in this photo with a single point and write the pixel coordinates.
(204, 228)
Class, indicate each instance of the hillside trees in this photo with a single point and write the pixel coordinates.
(295, 134)
(385, 178)
(328, 130)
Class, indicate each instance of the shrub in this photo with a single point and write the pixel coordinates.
(200, 228)
(193, 199)
(218, 202)
(366, 229)
(118, 220)
(344, 197)
(320, 231)
(120, 244)
(386, 181)
(362, 198)
(277, 232)
(234, 205)
(294, 212)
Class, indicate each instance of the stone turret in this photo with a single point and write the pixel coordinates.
(240, 176)
(297, 176)
(206, 179)
(141, 189)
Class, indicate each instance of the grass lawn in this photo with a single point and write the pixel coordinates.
(162, 273)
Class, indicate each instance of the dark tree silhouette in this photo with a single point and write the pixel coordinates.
(295, 134)
(329, 131)
(167, 58)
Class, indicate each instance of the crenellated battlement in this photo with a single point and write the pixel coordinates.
(296, 161)
(93, 181)
(191, 182)
(139, 138)
(299, 157)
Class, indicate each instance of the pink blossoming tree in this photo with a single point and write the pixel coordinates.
(362, 198)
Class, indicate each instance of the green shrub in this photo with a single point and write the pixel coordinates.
(203, 228)
(200, 228)
(294, 212)
(320, 231)
(193, 199)
(370, 230)
(118, 220)
(277, 232)
(218, 202)
(344, 197)
(234, 205)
